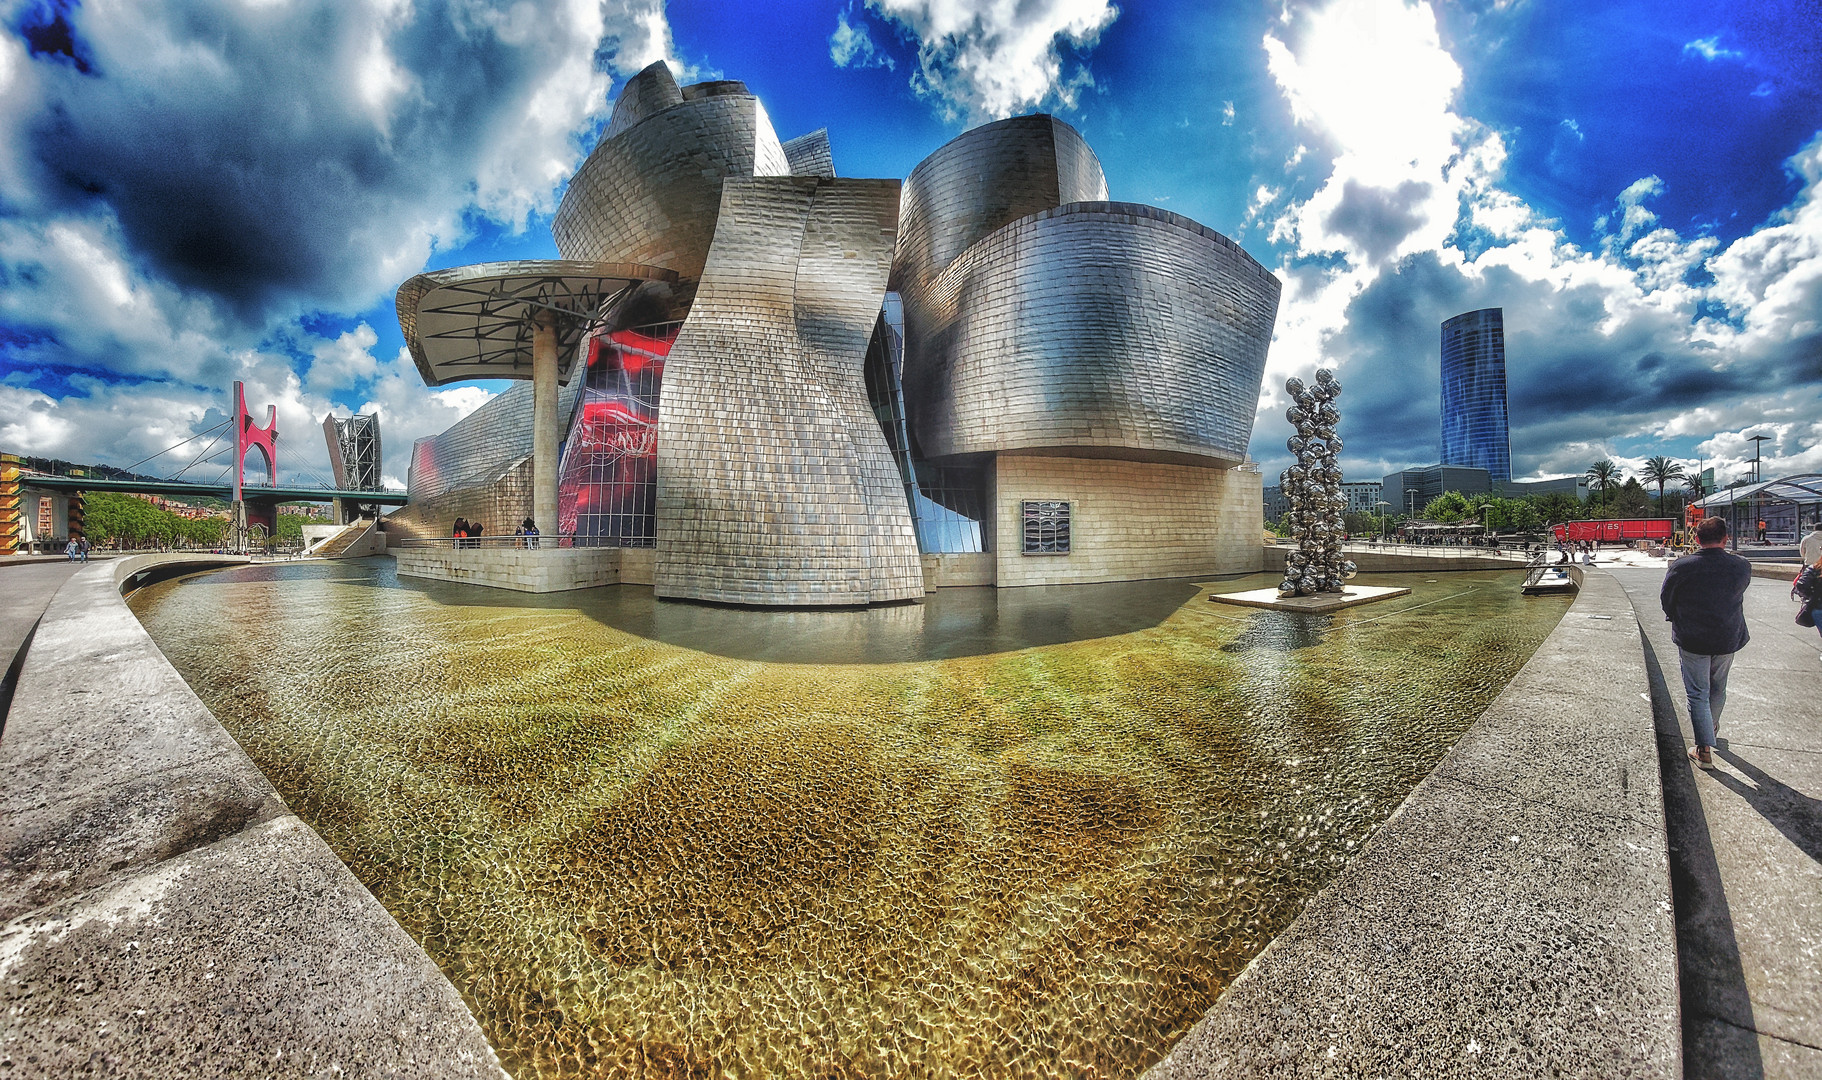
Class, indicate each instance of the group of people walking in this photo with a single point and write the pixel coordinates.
(1704, 596)
(467, 533)
(77, 550)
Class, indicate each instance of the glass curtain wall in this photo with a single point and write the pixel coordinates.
(607, 483)
(948, 502)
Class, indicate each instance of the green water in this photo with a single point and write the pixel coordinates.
(1036, 834)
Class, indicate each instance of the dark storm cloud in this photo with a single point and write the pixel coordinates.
(1573, 375)
(286, 153)
(1376, 219)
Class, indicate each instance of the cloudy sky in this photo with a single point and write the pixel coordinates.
(198, 191)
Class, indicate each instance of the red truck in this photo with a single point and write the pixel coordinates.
(1618, 530)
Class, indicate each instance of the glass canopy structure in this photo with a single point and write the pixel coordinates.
(1788, 505)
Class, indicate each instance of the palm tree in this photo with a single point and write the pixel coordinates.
(1603, 474)
(1693, 481)
(1660, 470)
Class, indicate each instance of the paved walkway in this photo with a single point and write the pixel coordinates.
(26, 586)
(1745, 843)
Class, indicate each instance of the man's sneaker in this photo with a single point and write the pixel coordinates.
(1702, 756)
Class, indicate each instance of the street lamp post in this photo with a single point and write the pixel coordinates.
(1382, 502)
(1412, 492)
(1756, 440)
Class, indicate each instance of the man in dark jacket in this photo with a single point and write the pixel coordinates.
(1704, 599)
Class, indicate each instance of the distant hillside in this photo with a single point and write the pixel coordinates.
(60, 467)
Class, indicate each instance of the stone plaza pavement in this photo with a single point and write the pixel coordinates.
(26, 587)
(1745, 842)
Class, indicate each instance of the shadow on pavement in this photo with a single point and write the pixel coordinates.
(1719, 1035)
(1796, 815)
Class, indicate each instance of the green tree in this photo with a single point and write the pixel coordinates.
(1632, 500)
(131, 522)
(1555, 507)
(1510, 515)
(1525, 516)
(1448, 508)
(203, 532)
(1603, 474)
(1660, 470)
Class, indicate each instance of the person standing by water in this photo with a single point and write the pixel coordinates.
(1704, 598)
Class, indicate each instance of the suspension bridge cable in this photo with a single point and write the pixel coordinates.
(198, 457)
(174, 446)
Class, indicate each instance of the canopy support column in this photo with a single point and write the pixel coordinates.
(544, 426)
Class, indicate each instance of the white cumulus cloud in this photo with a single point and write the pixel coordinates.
(851, 45)
(988, 59)
(1653, 335)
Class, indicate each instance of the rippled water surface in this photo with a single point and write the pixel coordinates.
(648, 839)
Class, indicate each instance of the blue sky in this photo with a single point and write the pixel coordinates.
(193, 191)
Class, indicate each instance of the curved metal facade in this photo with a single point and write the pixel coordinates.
(1041, 325)
(650, 193)
(775, 484)
(977, 182)
(983, 179)
(1095, 329)
(645, 95)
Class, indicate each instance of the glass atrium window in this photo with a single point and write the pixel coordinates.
(607, 486)
(948, 502)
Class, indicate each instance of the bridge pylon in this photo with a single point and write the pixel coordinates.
(248, 435)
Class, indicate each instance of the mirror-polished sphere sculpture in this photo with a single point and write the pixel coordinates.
(1313, 486)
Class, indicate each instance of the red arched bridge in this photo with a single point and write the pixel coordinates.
(354, 455)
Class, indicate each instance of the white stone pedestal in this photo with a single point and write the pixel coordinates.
(1350, 596)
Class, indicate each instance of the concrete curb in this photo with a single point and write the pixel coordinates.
(1511, 919)
(168, 915)
(1778, 571)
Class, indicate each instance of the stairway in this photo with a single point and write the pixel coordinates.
(333, 547)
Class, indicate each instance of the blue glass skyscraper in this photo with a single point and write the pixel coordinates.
(1474, 430)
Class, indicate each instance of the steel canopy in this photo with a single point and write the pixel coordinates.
(475, 322)
(1800, 488)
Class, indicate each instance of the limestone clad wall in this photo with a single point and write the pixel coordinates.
(775, 484)
(535, 570)
(1129, 520)
(960, 569)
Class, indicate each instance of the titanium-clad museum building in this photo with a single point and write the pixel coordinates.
(773, 385)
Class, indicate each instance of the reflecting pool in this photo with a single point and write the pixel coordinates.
(1030, 833)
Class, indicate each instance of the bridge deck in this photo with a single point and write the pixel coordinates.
(181, 488)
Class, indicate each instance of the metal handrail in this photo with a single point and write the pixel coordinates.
(478, 543)
(1463, 550)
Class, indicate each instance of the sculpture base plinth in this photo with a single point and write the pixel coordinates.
(1321, 603)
